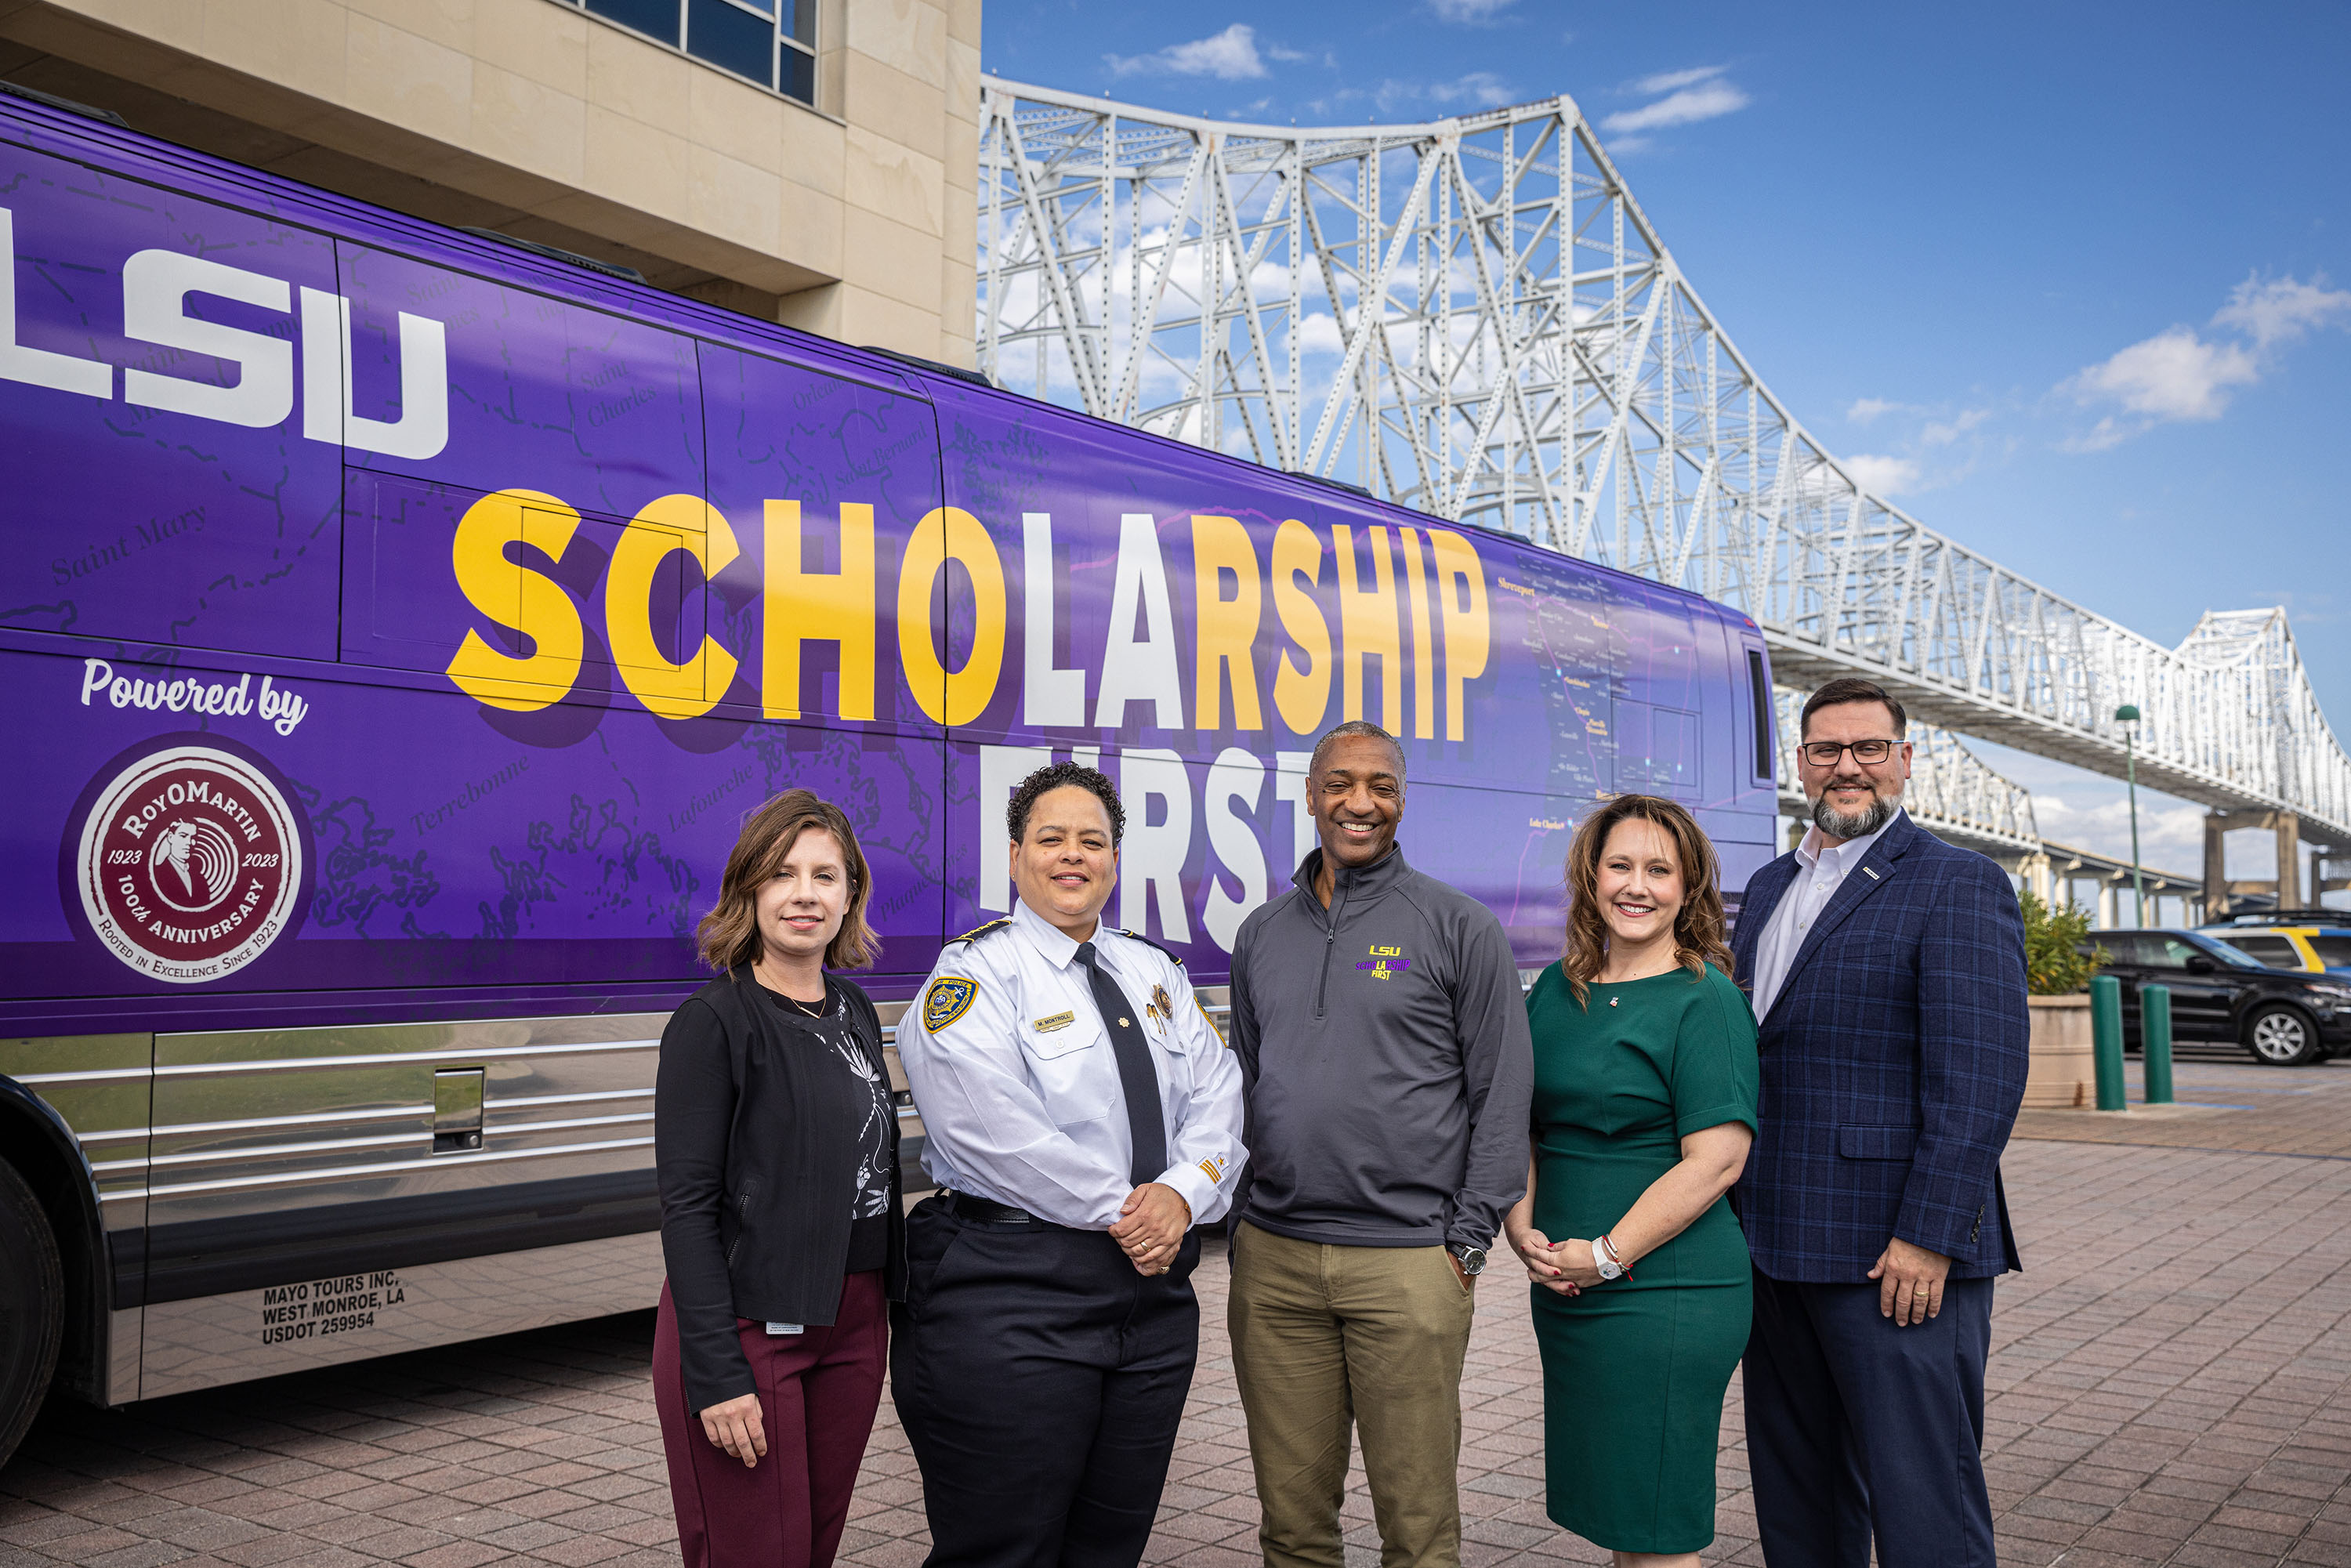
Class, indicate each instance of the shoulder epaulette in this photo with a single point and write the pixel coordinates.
(1147, 942)
(976, 931)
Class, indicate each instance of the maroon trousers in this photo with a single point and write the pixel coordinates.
(817, 1393)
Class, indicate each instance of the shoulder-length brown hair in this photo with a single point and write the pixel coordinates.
(1698, 929)
(728, 937)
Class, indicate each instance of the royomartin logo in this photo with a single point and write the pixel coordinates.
(190, 864)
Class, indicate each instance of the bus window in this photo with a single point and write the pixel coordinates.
(1758, 699)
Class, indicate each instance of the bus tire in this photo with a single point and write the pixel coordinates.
(32, 1308)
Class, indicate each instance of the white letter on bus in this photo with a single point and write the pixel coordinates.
(40, 366)
(423, 428)
(1001, 768)
(1234, 776)
(1145, 671)
(1150, 859)
(155, 286)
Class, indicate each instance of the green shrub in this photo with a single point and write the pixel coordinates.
(2055, 964)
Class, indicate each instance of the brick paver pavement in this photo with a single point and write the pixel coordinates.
(2231, 1104)
(2170, 1384)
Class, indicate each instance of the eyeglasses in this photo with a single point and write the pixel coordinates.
(1824, 753)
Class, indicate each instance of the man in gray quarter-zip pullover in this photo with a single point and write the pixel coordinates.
(1383, 1043)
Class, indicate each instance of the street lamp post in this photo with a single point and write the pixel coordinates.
(2127, 716)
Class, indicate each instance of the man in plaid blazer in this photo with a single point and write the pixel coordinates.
(1888, 971)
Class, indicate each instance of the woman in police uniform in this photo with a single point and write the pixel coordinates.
(1083, 1116)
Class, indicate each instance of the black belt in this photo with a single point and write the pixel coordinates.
(987, 1211)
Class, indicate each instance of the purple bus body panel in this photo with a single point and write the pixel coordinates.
(548, 845)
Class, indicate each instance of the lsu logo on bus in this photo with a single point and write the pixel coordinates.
(190, 864)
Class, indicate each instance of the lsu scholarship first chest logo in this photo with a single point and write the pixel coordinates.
(190, 864)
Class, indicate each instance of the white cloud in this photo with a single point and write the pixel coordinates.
(2181, 375)
(1472, 12)
(2175, 374)
(1942, 432)
(1708, 100)
(1883, 477)
(1229, 56)
(2280, 309)
(1868, 408)
(1669, 81)
(1287, 57)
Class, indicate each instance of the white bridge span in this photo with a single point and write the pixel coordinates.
(1475, 319)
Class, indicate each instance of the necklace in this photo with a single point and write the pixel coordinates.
(814, 1010)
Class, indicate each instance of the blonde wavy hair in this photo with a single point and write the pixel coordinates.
(1698, 929)
(728, 937)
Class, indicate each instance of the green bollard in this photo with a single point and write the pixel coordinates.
(2155, 1041)
(2106, 1041)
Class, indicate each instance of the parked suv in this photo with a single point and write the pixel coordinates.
(2285, 1020)
(2312, 941)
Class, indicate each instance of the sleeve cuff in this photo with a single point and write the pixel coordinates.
(1193, 1186)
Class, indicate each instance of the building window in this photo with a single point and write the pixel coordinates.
(770, 42)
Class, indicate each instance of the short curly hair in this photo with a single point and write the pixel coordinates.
(1057, 776)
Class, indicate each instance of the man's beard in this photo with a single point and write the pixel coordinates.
(1856, 825)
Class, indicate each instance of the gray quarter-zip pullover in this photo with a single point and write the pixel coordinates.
(1384, 1048)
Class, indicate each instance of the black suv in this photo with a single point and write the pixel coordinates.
(2285, 1020)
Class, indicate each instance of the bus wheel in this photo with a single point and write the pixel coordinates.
(32, 1308)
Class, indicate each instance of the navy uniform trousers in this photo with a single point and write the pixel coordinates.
(1041, 1381)
(1851, 1419)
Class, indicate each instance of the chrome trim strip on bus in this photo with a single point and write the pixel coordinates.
(469, 1054)
(500, 1102)
(259, 1124)
(388, 1167)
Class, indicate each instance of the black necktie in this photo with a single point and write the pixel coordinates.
(1138, 1078)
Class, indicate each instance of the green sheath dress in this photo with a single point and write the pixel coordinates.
(1634, 1371)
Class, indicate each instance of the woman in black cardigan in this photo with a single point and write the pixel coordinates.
(777, 1143)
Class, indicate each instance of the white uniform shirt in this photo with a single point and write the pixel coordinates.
(1013, 1073)
(1822, 867)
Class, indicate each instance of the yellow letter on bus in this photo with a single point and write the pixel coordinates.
(517, 598)
(672, 524)
(950, 696)
(1225, 629)
(1301, 695)
(1466, 629)
(818, 607)
(1368, 629)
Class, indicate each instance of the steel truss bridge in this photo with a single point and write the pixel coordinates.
(1473, 318)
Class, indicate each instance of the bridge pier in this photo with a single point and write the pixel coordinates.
(2285, 887)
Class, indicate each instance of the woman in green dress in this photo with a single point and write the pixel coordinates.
(1644, 1110)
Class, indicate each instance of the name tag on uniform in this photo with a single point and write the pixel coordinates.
(1058, 1020)
(787, 1328)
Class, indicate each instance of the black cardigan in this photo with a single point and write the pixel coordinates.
(756, 1155)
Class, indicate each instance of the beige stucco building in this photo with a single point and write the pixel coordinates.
(851, 215)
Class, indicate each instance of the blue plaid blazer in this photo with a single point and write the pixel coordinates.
(1894, 1061)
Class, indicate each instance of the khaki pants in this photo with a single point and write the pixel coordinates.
(1325, 1337)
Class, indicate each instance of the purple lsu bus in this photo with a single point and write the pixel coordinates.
(397, 626)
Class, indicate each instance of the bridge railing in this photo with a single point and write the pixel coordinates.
(1474, 317)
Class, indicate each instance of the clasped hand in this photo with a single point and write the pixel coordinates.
(1565, 1267)
(1151, 1225)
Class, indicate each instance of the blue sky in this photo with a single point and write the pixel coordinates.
(2069, 282)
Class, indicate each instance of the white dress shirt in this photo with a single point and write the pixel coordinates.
(1822, 865)
(1019, 1088)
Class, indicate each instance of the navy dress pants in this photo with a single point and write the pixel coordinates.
(1040, 1380)
(1857, 1428)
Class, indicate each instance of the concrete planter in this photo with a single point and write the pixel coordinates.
(2062, 1076)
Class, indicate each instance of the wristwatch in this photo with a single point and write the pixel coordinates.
(1471, 1259)
(1604, 1259)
